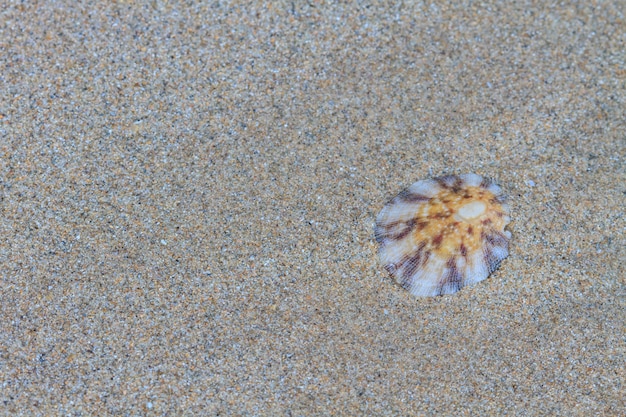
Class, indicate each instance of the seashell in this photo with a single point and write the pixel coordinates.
(442, 234)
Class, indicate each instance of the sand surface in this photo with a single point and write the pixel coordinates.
(188, 194)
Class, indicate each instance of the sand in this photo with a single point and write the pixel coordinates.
(188, 195)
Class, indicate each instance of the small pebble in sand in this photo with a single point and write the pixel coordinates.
(442, 234)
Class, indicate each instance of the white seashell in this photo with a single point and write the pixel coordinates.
(442, 234)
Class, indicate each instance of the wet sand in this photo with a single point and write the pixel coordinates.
(188, 198)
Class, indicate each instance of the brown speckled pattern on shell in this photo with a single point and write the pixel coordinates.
(440, 235)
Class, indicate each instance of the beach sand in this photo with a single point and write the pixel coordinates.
(188, 196)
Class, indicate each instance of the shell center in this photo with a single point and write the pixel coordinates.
(471, 211)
